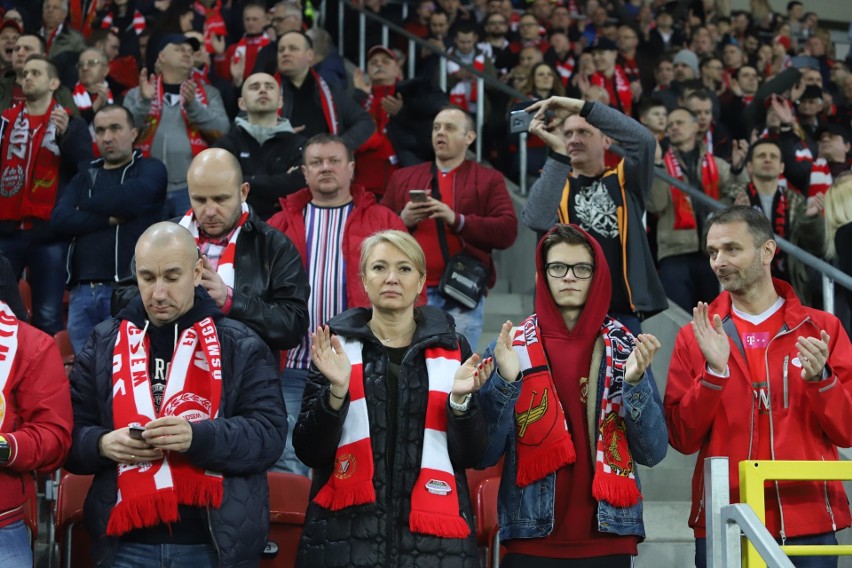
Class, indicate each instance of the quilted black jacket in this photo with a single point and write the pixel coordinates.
(242, 443)
(377, 535)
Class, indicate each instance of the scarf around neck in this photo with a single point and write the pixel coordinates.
(225, 269)
(681, 203)
(152, 121)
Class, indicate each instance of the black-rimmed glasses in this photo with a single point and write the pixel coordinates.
(581, 270)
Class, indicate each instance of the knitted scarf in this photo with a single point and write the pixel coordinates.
(820, 179)
(8, 349)
(684, 214)
(225, 269)
(138, 22)
(214, 23)
(434, 499)
(542, 441)
(565, 69)
(149, 493)
(83, 99)
(780, 219)
(31, 161)
(458, 94)
(152, 121)
(329, 109)
(82, 17)
(621, 97)
(248, 47)
(708, 140)
(379, 143)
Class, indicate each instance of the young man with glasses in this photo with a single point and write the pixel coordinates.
(574, 495)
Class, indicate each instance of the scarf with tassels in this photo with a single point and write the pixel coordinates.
(149, 493)
(9, 346)
(434, 499)
(543, 442)
(684, 214)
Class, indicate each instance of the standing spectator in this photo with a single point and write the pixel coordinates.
(42, 148)
(92, 93)
(327, 222)
(12, 83)
(664, 77)
(496, 44)
(327, 61)
(683, 264)
(611, 76)
(733, 101)
(310, 103)
(241, 56)
(175, 114)
(607, 203)
(269, 150)
(35, 426)
(714, 135)
(10, 31)
(468, 209)
(179, 450)
(793, 216)
(58, 36)
(104, 210)
(572, 493)
(286, 17)
(389, 421)
(123, 21)
(743, 386)
(461, 83)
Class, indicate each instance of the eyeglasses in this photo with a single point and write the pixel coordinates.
(581, 270)
(88, 63)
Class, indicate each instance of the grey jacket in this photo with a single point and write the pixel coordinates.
(171, 142)
(540, 211)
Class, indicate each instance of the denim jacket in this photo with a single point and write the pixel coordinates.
(527, 512)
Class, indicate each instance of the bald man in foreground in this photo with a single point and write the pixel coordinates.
(178, 414)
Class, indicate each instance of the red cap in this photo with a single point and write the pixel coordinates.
(11, 24)
(381, 49)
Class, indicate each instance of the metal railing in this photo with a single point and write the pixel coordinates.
(829, 273)
(725, 521)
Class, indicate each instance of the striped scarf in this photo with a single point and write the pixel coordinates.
(82, 98)
(684, 214)
(541, 430)
(458, 94)
(225, 268)
(618, 87)
(8, 349)
(197, 143)
(434, 499)
(821, 178)
(138, 22)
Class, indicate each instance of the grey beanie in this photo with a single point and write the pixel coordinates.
(689, 58)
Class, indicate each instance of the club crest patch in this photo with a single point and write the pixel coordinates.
(344, 466)
(438, 487)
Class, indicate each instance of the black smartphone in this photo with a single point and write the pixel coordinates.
(135, 432)
(519, 121)
(419, 195)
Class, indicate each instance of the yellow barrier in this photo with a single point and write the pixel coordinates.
(753, 476)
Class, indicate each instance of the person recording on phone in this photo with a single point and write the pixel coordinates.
(467, 214)
(327, 221)
(576, 187)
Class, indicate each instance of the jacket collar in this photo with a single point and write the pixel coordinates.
(794, 312)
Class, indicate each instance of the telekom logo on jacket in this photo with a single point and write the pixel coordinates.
(756, 340)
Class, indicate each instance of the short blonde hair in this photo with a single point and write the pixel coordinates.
(399, 239)
(838, 210)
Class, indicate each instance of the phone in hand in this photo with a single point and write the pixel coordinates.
(519, 121)
(419, 195)
(135, 432)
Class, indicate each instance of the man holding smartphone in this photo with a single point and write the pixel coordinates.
(467, 206)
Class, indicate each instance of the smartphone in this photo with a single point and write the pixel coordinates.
(419, 195)
(519, 121)
(135, 432)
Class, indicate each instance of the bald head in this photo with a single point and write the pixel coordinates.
(168, 268)
(216, 191)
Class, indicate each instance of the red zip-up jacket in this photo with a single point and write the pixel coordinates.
(717, 416)
(37, 422)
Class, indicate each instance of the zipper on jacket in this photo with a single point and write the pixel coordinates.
(700, 503)
(213, 536)
(828, 503)
(786, 385)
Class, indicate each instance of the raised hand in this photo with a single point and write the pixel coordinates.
(562, 108)
(739, 152)
(361, 81)
(813, 354)
(59, 117)
(330, 359)
(508, 364)
(146, 84)
(470, 377)
(640, 358)
(711, 338)
(549, 134)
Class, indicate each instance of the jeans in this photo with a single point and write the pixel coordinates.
(798, 561)
(468, 321)
(688, 279)
(137, 555)
(177, 203)
(15, 551)
(292, 387)
(88, 306)
(46, 261)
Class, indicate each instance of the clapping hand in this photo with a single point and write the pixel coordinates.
(508, 364)
(711, 338)
(470, 377)
(813, 354)
(641, 356)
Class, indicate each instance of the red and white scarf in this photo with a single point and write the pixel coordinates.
(197, 143)
(248, 47)
(821, 178)
(434, 499)
(682, 205)
(458, 94)
(708, 140)
(565, 69)
(8, 349)
(618, 87)
(83, 99)
(214, 23)
(149, 493)
(138, 22)
(541, 431)
(225, 269)
(82, 16)
(329, 109)
(30, 164)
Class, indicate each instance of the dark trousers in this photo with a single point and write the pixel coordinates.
(798, 561)
(524, 561)
(688, 279)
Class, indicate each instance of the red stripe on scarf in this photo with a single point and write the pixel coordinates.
(618, 87)
(682, 205)
(146, 138)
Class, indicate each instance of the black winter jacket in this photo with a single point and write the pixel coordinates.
(377, 535)
(265, 166)
(241, 444)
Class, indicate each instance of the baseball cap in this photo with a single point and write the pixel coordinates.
(604, 44)
(381, 49)
(178, 39)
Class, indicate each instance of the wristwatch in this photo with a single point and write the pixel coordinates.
(5, 450)
(463, 407)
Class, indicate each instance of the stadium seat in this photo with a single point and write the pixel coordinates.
(63, 342)
(288, 501)
(487, 529)
(74, 544)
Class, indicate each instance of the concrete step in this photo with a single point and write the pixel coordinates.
(666, 555)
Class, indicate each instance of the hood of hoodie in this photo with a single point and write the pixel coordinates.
(263, 133)
(591, 318)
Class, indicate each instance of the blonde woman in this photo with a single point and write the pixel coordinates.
(390, 420)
